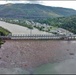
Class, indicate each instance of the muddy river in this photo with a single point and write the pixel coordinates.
(38, 57)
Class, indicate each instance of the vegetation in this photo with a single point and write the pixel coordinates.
(29, 24)
(54, 16)
(39, 28)
(68, 23)
(19, 22)
(3, 32)
(33, 11)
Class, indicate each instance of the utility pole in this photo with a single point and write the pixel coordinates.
(30, 32)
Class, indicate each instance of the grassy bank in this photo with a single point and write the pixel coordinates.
(4, 31)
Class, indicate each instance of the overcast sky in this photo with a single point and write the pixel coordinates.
(66, 4)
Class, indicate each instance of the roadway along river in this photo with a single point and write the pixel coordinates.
(38, 56)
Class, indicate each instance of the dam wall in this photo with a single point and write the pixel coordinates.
(43, 37)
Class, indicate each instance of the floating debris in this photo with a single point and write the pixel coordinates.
(71, 53)
(67, 49)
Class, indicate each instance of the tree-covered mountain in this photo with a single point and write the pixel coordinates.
(55, 16)
(22, 11)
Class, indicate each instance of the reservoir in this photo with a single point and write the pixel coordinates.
(38, 57)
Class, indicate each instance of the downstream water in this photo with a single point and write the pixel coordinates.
(67, 66)
(40, 57)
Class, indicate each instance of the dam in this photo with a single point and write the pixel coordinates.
(39, 37)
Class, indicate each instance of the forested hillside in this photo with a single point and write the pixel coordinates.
(33, 11)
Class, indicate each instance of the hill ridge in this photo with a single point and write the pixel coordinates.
(23, 11)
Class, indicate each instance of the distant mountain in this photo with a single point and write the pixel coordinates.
(29, 11)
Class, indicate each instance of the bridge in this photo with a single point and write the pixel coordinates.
(42, 37)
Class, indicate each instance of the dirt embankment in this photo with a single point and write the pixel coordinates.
(32, 53)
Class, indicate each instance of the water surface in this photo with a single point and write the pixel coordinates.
(38, 56)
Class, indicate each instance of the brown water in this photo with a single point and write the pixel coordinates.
(67, 66)
(38, 56)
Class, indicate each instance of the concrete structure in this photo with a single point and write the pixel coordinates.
(41, 37)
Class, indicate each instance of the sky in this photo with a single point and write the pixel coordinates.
(55, 3)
